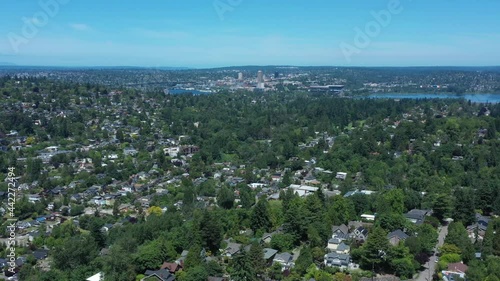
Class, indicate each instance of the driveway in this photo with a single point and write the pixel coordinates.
(426, 274)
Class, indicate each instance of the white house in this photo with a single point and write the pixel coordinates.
(303, 190)
(341, 175)
(172, 151)
(97, 277)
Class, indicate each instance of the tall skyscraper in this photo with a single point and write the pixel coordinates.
(260, 77)
(240, 76)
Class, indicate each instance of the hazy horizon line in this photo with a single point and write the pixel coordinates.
(7, 64)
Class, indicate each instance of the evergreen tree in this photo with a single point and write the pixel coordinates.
(458, 236)
(464, 210)
(242, 269)
(97, 234)
(259, 218)
(256, 257)
(375, 248)
(211, 231)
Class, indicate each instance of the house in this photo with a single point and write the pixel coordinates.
(479, 227)
(482, 220)
(23, 224)
(158, 275)
(21, 261)
(33, 234)
(232, 249)
(76, 198)
(276, 178)
(189, 149)
(360, 233)
(33, 198)
(172, 151)
(104, 252)
(354, 224)
(368, 217)
(107, 227)
(41, 219)
(417, 216)
(340, 231)
(269, 255)
(172, 267)
(343, 248)
(285, 259)
(40, 254)
(97, 277)
(337, 260)
(333, 244)
(341, 175)
(266, 237)
(183, 257)
(130, 151)
(452, 275)
(396, 236)
(303, 190)
(458, 267)
(256, 185)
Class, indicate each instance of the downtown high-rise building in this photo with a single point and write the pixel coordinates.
(260, 77)
(260, 80)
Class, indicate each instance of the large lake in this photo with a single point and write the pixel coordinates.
(184, 91)
(478, 98)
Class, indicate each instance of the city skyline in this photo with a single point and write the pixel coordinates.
(231, 33)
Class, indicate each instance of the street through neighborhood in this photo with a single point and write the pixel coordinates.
(426, 275)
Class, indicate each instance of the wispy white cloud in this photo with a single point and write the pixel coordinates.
(79, 26)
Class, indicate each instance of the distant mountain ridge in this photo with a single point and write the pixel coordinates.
(4, 65)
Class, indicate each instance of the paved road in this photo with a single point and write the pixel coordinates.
(426, 275)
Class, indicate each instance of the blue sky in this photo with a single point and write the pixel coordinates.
(212, 33)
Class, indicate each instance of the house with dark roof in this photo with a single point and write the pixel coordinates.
(479, 227)
(343, 248)
(340, 231)
(232, 249)
(360, 233)
(396, 236)
(337, 260)
(417, 216)
(285, 259)
(158, 275)
(41, 254)
(269, 255)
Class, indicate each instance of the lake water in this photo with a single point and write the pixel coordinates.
(184, 91)
(476, 98)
